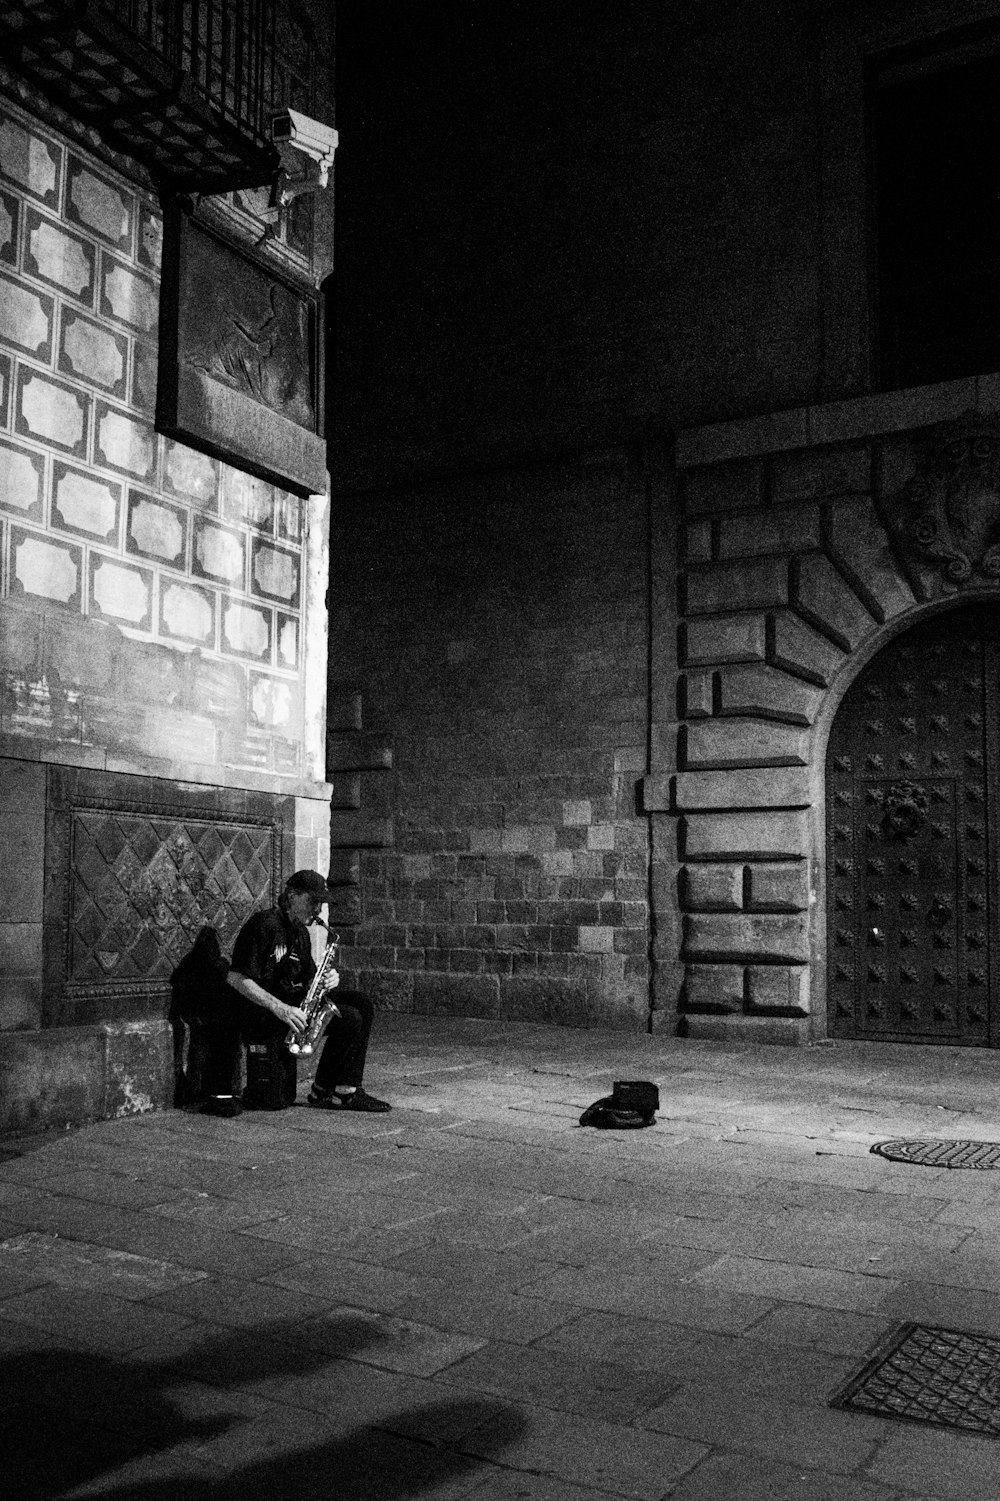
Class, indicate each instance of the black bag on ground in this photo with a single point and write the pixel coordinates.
(271, 1075)
(633, 1103)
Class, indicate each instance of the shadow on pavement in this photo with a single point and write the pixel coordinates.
(82, 1425)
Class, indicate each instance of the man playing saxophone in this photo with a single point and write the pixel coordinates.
(272, 971)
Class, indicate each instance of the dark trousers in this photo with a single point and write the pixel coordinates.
(342, 1061)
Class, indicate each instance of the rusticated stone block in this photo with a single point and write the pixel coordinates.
(351, 830)
(343, 710)
(821, 595)
(713, 888)
(759, 689)
(789, 529)
(722, 743)
(759, 583)
(346, 789)
(720, 836)
(720, 936)
(795, 646)
(778, 988)
(731, 638)
(857, 540)
(778, 888)
(748, 1031)
(698, 691)
(713, 987)
(760, 787)
(698, 542)
(345, 868)
(820, 471)
(356, 752)
(724, 487)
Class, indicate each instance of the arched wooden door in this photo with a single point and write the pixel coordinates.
(912, 839)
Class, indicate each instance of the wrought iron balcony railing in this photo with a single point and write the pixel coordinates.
(185, 86)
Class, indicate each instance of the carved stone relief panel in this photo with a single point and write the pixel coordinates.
(953, 521)
(134, 869)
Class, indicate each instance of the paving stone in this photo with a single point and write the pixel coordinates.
(99, 1322)
(744, 1477)
(484, 1311)
(795, 1284)
(598, 1389)
(625, 1461)
(76, 1265)
(812, 1435)
(391, 1343)
(958, 1467)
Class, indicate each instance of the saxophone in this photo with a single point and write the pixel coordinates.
(319, 1004)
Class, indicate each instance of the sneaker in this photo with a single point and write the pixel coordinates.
(362, 1100)
(227, 1106)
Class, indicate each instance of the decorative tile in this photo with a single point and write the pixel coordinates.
(22, 479)
(217, 552)
(43, 569)
(119, 591)
(156, 529)
(191, 474)
(273, 702)
(129, 297)
(288, 641)
(144, 376)
(93, 353)
(85, 504)
(6, 368)
(187, 613)
(26, 319)
(275, 572)
(246, 630)
(124, 442)
(57, 256)
(47, 409)
(96, 203)
(247, 499)
(29, 161)
(150, 238)
(288, 511)
(10, 218)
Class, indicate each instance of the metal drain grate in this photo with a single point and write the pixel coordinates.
(979, 1154)
(923, 1374)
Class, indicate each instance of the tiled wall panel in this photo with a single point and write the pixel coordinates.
(103, 520)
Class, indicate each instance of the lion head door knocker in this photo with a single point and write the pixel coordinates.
(905, 806)
(956, 502)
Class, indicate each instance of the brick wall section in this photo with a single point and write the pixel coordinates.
(493, 733)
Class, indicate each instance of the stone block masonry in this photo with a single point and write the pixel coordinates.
(800, 561)
(501, 658)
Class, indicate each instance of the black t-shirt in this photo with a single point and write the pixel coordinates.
(275, 951)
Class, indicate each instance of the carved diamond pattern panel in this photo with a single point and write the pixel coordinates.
(142, 889)
(916, 778)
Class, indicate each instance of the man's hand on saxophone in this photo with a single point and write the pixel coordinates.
(292, 1016)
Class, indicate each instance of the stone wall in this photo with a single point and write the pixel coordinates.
(489, 652)
(162, 629)
(799, 562)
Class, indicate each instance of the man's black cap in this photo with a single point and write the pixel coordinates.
(311, 881)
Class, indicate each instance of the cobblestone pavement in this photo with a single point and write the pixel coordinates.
(473, 1297)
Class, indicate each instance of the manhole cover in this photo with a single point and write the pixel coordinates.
(981, 1154)
(927, 1375)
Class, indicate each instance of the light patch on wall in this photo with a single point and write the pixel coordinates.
(52, 412)
(245, 630)
(271, 702)
(187, 613)
(122, 592)
(59, 257)
(46, 570)
(86, 504)
(27, 160)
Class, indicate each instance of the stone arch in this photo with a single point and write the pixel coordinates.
(799, 568)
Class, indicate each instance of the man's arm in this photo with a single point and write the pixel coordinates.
(293, 1016)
